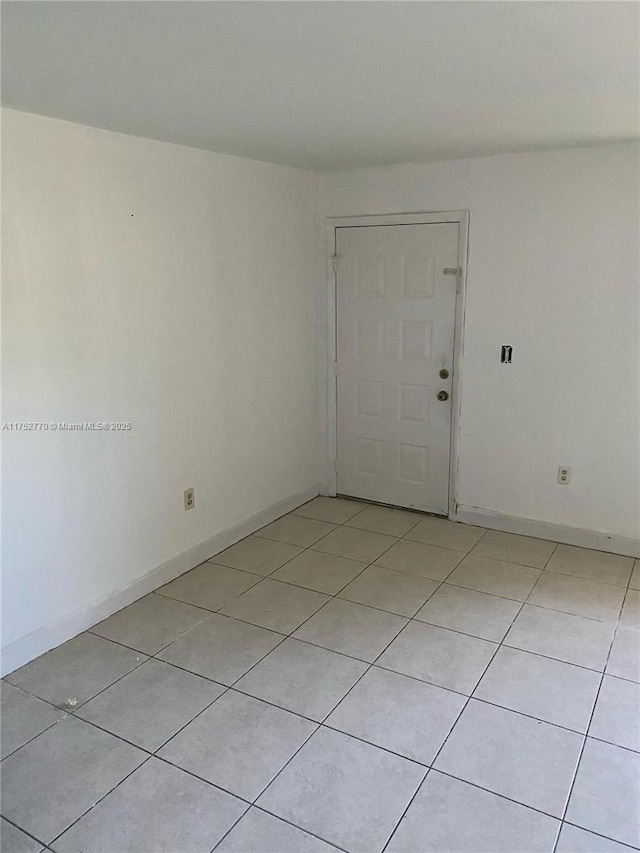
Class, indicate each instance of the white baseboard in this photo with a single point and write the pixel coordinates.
(546, 530)
(24, 649)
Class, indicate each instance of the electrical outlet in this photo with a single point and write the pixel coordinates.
(564, 475)
(189, 498)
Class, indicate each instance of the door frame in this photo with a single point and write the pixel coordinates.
(461, 218)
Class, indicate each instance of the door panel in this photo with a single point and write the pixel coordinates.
(395, 332)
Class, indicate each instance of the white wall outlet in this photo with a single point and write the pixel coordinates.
(564, 475)
(189, 498)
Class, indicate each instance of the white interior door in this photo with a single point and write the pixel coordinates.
(395, 342)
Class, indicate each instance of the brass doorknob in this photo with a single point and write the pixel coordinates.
(442, 395)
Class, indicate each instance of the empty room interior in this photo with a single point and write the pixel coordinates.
(320, 427)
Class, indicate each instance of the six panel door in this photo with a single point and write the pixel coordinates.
(395, 338)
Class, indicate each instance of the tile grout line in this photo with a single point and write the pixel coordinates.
(331, 597)
(136, 746)
(99, 800)
(372, 607)
(284, 820)
(321, 724)
(369, 667)
(264, 577)
(311, 547)
(258, 575)
(453, 726)
(153, 754)
(524, 805)
(442, 745)
(498, 646)
(317, 724)
(34, 837)
(295, 826)
(586, 734)
(72, 712)
(583, 735)
(427, 768)
(206, 781)
(409, 804)
(31, 739)
(622, 844)
(287, 636)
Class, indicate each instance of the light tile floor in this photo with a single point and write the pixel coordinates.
(351, 678)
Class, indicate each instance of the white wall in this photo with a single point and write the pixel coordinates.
(174, 288)
(553, 271)
(165, 286)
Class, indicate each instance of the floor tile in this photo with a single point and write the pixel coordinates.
(416, 558)
(630, 616)
(296, 530)
(575, 840)
(624, 660)
(276, 606)
(347, 792)
(150, 704)
(302, 678)
(78, 669)
(150, 623)
(496, 577)
(158, 808)
(547, 689)
(383, 519)
(578, 596)
(320, 572)
(356, 544)
(77, 761)
(22, 717)
(634, 581)
(523, 550)
(449, 816)
(572, 639)
(239, 743)
(617, 715)
(398, 713)
(476, 613)
(528, 761)
(13, 840)
(445, 658)
(334, 510)
(352, 629)
(446, 534)
(259, 831)
(209, 585)
(396, 592)
(592, 565)
(606, 794)
(257, 555)
(221, 648)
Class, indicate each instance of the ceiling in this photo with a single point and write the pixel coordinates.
(327, 85)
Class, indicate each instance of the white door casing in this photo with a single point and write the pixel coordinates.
(396, 317)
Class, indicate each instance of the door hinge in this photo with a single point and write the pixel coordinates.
(335, 263)
(335, 368)
(335, 465)
(457, 271)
